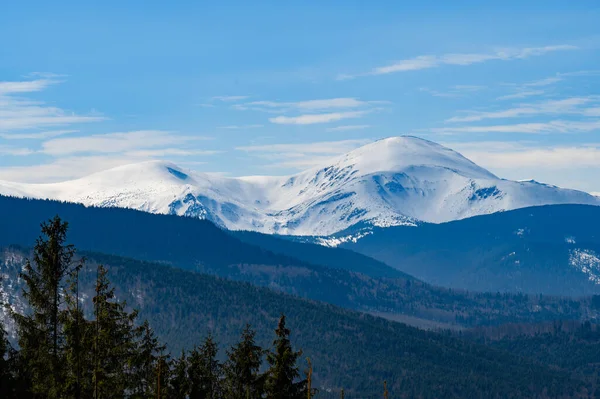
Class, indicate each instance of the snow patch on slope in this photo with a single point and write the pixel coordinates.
(587, 262)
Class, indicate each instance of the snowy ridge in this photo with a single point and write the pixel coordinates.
(395, 181)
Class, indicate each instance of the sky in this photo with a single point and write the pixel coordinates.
(270, 88)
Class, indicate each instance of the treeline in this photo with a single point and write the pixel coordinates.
(64, 354)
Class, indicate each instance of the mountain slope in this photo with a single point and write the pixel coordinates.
(348, 349)
(395, 181)
(553, 250)
(332, 275)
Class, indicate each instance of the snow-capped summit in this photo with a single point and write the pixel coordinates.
(399, 153)
(398, 180)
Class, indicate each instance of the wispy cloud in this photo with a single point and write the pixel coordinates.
(15, 151)
(166, 152)
(310, 119)
(25, 86)
(454, 91)
(346, 128)
(235, 127)
(565, 165)
(529, 154)
(540, 86)
(22, 114)
(571, 105)
(229, 98)
(321, 147)
(313, 111)
(557, 126)
(115, 142)
(64, 168)
(308, 105)
(433, 61)
(521, 94)
(36, 136)
(303, 155)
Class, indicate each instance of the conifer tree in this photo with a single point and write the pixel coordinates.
(283, 372)
(242, 377)
(77, 338)
(145, 363)
(179, 385)
(113, 344)
(162, 376)
(41, 335)
(205, 371)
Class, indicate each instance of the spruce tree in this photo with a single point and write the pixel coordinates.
(78, 343)
(41, 335)
(113, 341)
(162, 376)
(205, 371)
(179, 385)
(242, 377)
(145, 363)
(283, 372)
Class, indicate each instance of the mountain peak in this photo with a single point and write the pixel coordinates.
(402, 153)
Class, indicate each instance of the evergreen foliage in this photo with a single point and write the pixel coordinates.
(41, 333)
(65, 355)
(243, 380)
(283, 372)
(106, 352)
(205, 371)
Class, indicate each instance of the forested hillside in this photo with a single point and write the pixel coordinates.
(343, 278)
(550, 250)
(347, 349)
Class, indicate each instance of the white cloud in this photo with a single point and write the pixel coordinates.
(301, 156)
(72, 167)
(308, 105)
(454, 91)
(521, 94)
(571, 166)
(115, 142)
(25, 86)
(346, 107)
(544, 82)
(420, 62)
(63, 168)
(37, 135)
(15, 151)
(432, 61)
(164, 152)
(322, 147)
(234, 127)
(229, 98)
(558, 126)
(23, 114)
(310, 119)
(501, 155)
(345, 128)
(552, 107)
(468, 87)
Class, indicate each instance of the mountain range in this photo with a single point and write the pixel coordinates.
(391, 182)
(552, 249)
(333, 275)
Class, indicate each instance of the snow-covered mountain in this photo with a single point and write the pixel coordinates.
(394, 181)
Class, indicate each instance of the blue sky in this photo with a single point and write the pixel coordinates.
(242, 88)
